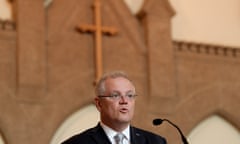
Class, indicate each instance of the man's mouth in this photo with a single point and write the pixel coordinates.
(124, 110)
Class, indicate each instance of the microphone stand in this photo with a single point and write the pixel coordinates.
(159, 121)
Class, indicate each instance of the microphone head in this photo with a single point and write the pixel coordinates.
(157, 121)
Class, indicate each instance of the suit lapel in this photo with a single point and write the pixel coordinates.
(99, 135)
(136, 137)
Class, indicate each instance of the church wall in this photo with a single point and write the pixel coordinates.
(7, 79)
(7, 58)
(211, 78)
(207, 84)
(47, 70)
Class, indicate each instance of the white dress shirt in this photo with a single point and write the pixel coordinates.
(111, 133)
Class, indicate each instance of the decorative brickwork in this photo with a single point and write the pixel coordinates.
(7, 25)
(209, 49)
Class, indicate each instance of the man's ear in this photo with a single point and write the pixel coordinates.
(98, 103)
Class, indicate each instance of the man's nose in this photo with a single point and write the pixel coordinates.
(123, 99)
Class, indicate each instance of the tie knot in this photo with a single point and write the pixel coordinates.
(119, 138)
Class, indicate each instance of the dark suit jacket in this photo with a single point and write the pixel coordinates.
(97, 135)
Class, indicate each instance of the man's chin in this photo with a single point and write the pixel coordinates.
(125, 120)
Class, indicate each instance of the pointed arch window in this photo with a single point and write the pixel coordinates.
(7, 15)
(6, 10)
(1, 139)
(80, 120)
(214, 130)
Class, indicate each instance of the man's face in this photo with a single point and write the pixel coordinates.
(117, 111)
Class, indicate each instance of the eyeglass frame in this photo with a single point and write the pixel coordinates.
(118, 96)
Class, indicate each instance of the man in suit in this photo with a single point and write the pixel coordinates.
(115, 100)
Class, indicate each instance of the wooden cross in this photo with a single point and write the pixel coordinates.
(97, 29)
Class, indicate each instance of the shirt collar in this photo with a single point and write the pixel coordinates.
(111, 133)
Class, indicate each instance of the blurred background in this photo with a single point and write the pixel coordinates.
(44, 100)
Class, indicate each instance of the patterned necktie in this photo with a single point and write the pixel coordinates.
(119, 138)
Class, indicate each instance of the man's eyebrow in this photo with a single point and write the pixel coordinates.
(116, 91)
(130, 91)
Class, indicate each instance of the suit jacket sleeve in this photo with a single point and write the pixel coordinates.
(94, 135)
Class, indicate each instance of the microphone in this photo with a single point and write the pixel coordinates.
(160, 121)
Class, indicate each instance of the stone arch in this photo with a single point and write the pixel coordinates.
(134, 5)
(2, 139)
(213, 130)
(9, 109)
(7, 14)
(6, 10)
(78, 121)
(216, 99)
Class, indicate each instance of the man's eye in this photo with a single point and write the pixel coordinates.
(115, 95)
(130, 95)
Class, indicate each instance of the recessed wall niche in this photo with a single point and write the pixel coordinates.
(77, 122)
(1, 139)
(6, 10)
(214, 130)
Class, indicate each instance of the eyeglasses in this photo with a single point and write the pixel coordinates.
(117, 96)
